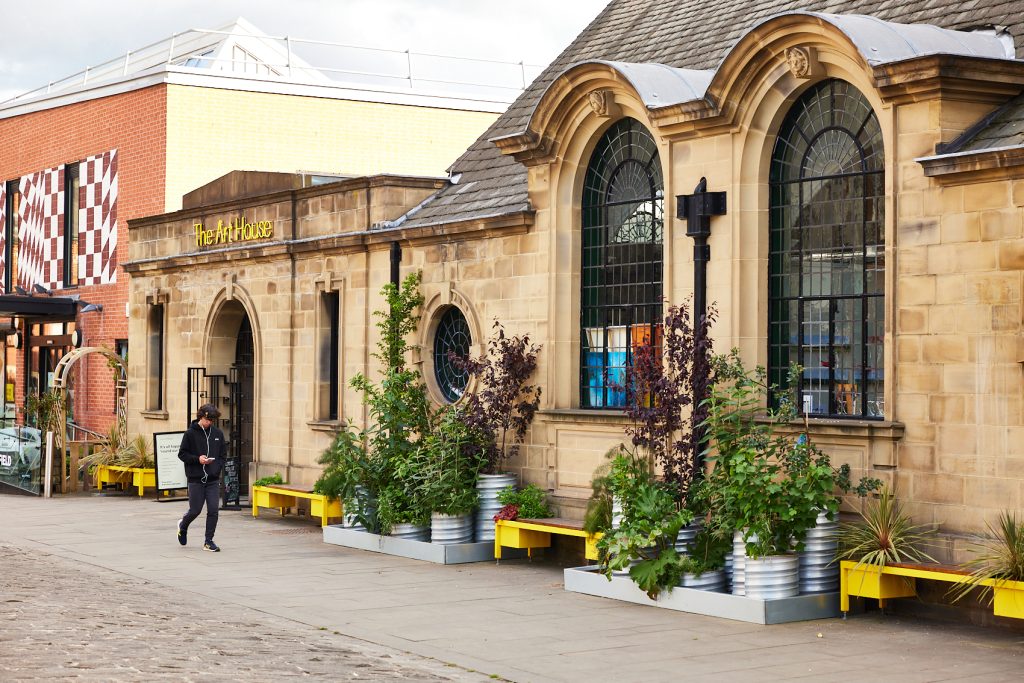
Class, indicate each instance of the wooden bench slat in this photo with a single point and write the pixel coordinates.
(557, 522)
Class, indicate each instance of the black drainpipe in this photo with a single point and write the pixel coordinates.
(396, 263)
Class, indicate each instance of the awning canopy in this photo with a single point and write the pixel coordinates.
(21, 306)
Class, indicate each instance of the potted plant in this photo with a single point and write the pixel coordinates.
(529, 502)
(449, 461)
(764, 485)
(500, 411)
(703, 564)
(644, 542)
(997, 567)
(350, 475)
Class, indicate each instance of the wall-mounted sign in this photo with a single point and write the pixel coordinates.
(238, 230)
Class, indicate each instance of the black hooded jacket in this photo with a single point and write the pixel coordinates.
(198, 441)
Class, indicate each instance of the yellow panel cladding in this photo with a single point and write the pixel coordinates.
(211, 132)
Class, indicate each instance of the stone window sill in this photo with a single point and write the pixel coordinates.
(580, 415)
(330, 426)
(155, 414)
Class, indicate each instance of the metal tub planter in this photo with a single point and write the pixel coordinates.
(488, 487)
(451, 529)
(590, 581)
(714, 581)
(772, 577)
(407, 540)
(412, 532)
(818, 572)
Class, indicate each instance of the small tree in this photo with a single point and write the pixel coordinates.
(660, 388)
(503, 407)
(381, 456)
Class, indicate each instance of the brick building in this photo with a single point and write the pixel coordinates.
(128, 138)
(871, 155)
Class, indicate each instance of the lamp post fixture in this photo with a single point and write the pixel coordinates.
(697, 209)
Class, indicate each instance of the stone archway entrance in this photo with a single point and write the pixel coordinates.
(229, 382)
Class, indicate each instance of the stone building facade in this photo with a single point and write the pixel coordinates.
(872, 232)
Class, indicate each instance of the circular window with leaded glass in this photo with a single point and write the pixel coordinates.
(452, 337)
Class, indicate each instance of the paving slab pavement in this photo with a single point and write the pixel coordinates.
(511, 620)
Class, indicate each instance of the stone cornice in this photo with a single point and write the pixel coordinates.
(950, 77)
(497, 226)
(1002, 162)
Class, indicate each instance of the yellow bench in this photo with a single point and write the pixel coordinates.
(900, 581)
(283, 497)
(536, 533)
(139, 477)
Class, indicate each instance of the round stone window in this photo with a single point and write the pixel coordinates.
(453, 336)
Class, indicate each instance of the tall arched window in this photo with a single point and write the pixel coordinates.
(826, 269)
(621, 298)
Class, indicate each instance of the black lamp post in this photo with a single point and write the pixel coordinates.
(697, 209)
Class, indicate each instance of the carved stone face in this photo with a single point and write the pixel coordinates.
(799, 60)
(599, 102)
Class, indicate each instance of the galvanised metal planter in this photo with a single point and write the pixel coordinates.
(728, 571)
(349, 520)
(739, 562)
(713, 581)
(687, 535)
(772, 577)
(449, 529)
(818, 571)
(488, 486)
(411, 532)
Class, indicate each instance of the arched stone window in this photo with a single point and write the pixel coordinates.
(452, 335)
(621, 275)
(826, 268)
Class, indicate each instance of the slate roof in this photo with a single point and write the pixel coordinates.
(1004, 129)
(693, 34)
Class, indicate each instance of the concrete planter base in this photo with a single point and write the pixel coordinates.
(458, 553)
(590, 581)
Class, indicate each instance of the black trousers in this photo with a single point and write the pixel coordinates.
(198, 494)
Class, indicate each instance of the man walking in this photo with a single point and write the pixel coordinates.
(202, 451)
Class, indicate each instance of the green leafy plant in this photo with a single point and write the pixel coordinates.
(503, 406)
(999, 557)
(448, 463)
(707, 552)
(598, 516)
(884, 535)
(42, 411)
(530, 500)
(274, 478)
(765, 481)
(644, 542)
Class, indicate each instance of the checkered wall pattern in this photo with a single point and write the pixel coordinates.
(97, 224)
(41, 229)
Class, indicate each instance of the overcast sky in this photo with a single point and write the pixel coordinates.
(45, 40)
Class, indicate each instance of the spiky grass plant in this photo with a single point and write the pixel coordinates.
(999, 557)
(884, 535)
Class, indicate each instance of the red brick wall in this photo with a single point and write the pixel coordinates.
(135, 124)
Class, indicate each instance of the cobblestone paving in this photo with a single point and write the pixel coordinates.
(68, 621)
